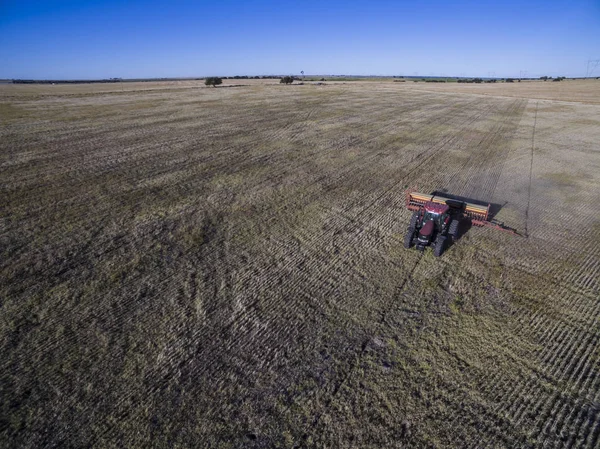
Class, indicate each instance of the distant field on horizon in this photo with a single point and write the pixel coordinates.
(582, 91)
(185, 265)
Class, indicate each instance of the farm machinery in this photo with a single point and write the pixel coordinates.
(439, 219)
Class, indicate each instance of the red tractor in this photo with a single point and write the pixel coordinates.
(433, 224)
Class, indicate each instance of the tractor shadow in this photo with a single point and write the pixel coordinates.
(466, 224)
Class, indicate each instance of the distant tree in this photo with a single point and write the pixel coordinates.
(286, 80)
(213, 81)
(510, 80)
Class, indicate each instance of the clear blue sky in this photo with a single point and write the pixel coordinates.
(99, 39)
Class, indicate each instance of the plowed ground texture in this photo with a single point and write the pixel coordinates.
(224, 267)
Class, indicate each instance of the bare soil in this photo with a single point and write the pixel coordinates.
(223, 267)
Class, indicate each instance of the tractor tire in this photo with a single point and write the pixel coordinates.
(413, 221)
(408, 238)
(454, 230)
(440, 246)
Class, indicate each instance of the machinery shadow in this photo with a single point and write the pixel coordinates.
(466, 224)
(494, 207)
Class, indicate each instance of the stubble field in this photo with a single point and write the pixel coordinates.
(188, 266)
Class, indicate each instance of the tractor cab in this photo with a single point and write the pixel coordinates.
(435, 212)
(435, 217)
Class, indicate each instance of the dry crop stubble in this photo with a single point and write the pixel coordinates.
(183, 264)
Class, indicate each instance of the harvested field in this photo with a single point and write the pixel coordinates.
(184, 265)
(580, 91)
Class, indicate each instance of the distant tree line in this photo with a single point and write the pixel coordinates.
(107, 80)
(110, 80)
(471, 80)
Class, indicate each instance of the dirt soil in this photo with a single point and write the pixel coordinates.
(223, 267)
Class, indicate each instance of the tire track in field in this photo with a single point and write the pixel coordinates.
(479, 177)
(526, 233)
(485, 179)
(345, 378)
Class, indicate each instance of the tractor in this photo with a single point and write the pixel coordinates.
(438, 219)
(433, 224)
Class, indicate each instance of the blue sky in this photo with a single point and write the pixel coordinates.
(100, 39)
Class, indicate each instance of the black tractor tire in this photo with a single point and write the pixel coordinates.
(413, 221)
(408, 238)
(440, 246)
(454, 230)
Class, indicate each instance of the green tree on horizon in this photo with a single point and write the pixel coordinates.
(213, 81)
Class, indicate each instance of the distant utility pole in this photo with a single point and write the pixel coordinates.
(592, 65)
(491, 74)
(522, 74)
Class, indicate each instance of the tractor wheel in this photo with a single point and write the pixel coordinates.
(408, 238)
(454, 229)
(440, 246)
(413, 221)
